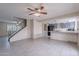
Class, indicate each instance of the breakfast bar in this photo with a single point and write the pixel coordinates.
(70, 36)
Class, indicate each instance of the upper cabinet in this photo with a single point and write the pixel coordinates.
(67, 26)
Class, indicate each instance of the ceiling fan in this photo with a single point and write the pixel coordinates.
(37, 11)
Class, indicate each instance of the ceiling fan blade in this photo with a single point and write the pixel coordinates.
(36, 8)
(43, 12)
(30, 9)
(31, 13)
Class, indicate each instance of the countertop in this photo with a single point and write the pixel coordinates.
(67, 31)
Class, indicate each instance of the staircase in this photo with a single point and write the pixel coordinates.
(13, 27)
(8, 29)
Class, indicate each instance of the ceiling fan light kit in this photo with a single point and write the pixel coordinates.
(37, 14)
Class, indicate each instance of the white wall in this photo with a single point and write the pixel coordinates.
(23, 34)
(37, 29)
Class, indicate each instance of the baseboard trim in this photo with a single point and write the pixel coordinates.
(21, 39)
(64, 40)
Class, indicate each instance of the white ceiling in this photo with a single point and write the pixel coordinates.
(10, 10)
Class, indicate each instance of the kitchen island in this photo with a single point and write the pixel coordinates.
(71, 36)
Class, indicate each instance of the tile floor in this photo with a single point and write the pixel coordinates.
(41, 47)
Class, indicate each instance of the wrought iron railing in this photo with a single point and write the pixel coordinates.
(11, 28)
